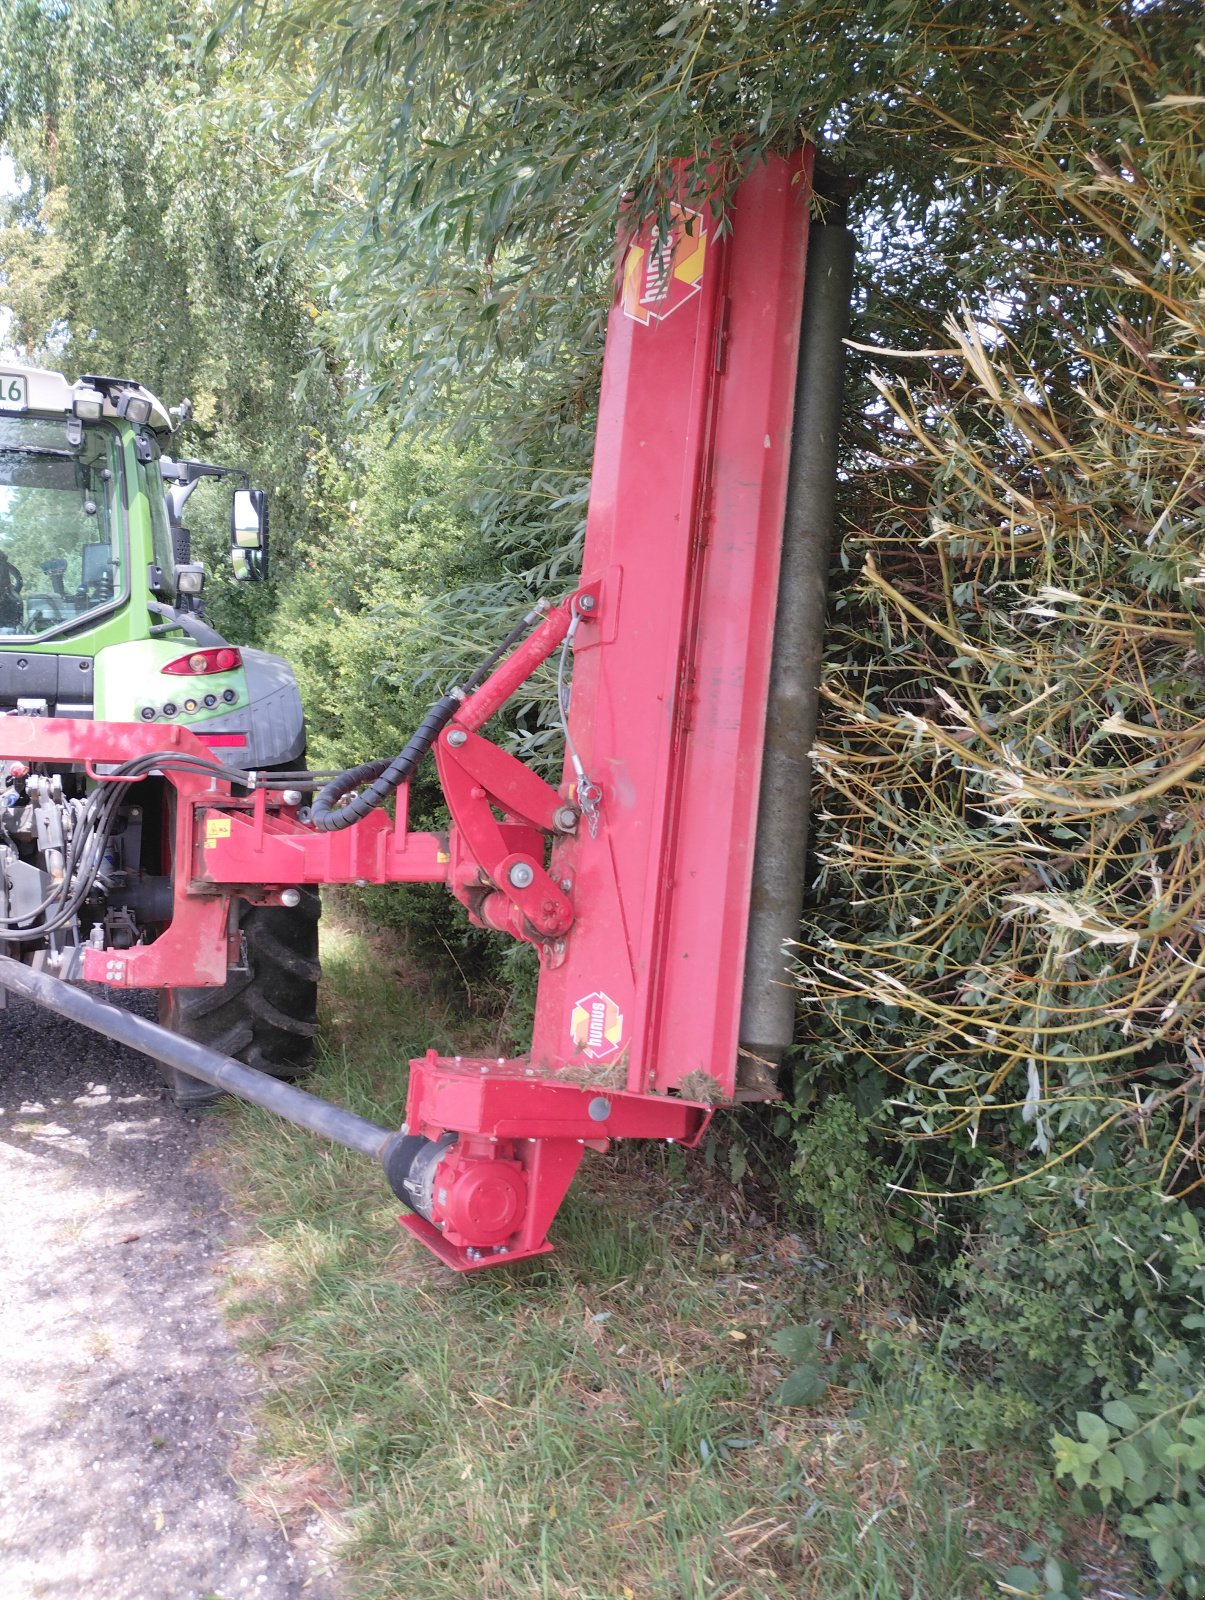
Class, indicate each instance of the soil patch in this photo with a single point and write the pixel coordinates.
(124, 1399)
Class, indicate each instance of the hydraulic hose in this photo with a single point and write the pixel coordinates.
(384, 776)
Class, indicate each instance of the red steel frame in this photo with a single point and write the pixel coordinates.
(639, 906)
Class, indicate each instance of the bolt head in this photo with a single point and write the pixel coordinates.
(290, 897)
(586, 602)
(457, 737)
(565, 819)
(291, 797)
(521, 875)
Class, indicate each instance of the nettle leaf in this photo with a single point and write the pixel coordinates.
(803, 1387)
(1019, 1580)
(1133, 1462)
(798, 1343)
(1094, 1429)
(1074, 1459)
(1110, 1471)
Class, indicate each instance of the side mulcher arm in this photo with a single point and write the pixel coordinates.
(632, 878)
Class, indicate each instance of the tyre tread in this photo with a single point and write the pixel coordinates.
(266, 1013)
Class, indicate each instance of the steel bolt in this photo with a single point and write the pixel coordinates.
(290, 897)
(599, 1108)
(521, 875)
(457, 737)
(291, 797)
(586, 602)
(564, 818)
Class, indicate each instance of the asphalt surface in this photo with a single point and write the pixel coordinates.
(123, 1400)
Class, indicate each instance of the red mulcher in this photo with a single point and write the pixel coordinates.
(689, 634)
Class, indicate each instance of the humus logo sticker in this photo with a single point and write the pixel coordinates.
(662, 271)
(596, 1026)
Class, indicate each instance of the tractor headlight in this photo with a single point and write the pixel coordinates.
(135, 408)
(88, 404)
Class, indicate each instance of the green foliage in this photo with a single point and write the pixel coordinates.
(1085, 1296)
(1147, 1454)
(805, 1383)
(1078, 1290)
(1052, 1580)
(1008, 835)
(135, 246)
(837, 1175)
(365, 616)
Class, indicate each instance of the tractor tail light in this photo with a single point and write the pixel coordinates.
(199, 663)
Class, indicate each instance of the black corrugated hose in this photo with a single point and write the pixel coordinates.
(385, 775)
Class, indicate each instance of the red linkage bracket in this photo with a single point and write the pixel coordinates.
(478, 777)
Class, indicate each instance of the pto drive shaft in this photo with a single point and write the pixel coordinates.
(186, 1055)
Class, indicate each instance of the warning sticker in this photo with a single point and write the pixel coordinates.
(216, 828)
(664, 270)
(596, 1026)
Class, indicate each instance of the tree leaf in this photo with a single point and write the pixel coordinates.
(1094, 1429)
(1120, 1414)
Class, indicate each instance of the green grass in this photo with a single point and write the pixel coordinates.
(598, 1424)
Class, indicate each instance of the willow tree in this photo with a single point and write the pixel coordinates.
(135, 244)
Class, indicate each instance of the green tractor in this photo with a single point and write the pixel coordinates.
(101, 617)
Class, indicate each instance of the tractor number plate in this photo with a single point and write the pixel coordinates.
(14, 392)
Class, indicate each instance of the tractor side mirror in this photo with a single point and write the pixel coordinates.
(249, 535)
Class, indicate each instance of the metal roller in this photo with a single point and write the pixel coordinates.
(768, 1002)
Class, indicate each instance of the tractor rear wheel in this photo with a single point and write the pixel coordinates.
(266, 1013)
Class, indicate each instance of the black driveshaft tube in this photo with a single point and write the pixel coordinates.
(223, 1072)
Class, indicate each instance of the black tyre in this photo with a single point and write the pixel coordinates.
(266, 1013)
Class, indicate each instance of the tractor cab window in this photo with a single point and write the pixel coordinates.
(61, 555)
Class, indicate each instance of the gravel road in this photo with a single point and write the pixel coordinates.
(123, 1399)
